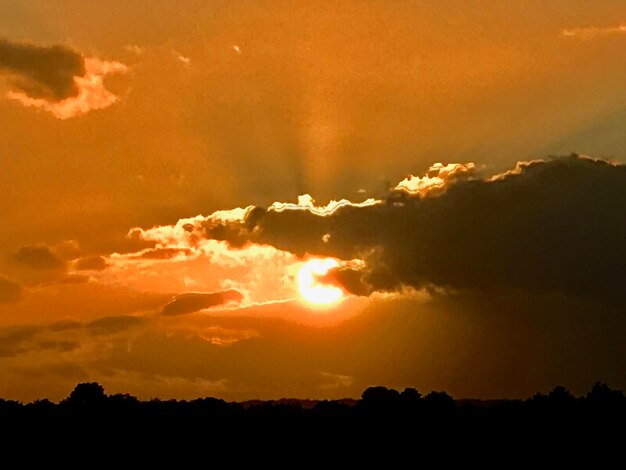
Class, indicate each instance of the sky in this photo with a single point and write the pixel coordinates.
(184, 182)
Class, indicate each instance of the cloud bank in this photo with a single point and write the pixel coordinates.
(56, 78)
(546, 226)
(556, 225)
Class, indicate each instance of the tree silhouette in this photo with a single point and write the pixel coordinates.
(382, 417)
(379, 395)
(562, 396)
(439, 400)
(410, 395)
(89, 394)
(601, 393)
(601, 397)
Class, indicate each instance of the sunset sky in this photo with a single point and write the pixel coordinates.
(260, 199)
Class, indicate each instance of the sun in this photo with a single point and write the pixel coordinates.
(314, 291)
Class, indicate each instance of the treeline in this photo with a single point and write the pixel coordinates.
(382, 419)
(90, 399)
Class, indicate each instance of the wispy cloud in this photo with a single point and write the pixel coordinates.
(195, 301)
(591, 32)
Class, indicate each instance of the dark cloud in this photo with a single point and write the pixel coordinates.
(42, 71)
(9, 291)
(61, 336)
(20, 340)
(192, 302)
(91, 263)
(39, 257)
(237, 234)
(351, 279)
(555, 225)
(114, 324)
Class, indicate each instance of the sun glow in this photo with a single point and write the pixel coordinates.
(311, 289)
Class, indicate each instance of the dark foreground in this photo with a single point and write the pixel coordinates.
(383, 420)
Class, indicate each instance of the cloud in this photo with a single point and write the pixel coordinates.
(114, 324)
(163, 253)
(134, 49)
(307, 204)
(192, 302)
(546, 225)
(63, 336)
(90, 263)
(45, 72)
(591, 32)
(39, 257)
(184, 258)
(182, 58)
(335, 381)
(56, 78)
(554, 225)
(439, 176)
(508, 343)
(9, 291)
(351, 279)
(164, 386)
(24, 339)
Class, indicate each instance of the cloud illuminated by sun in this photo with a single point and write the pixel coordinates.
(436, 179)
(92, 93)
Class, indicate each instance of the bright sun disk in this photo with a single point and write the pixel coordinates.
(309, 286)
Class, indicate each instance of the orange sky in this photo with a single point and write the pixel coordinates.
(191, 107)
